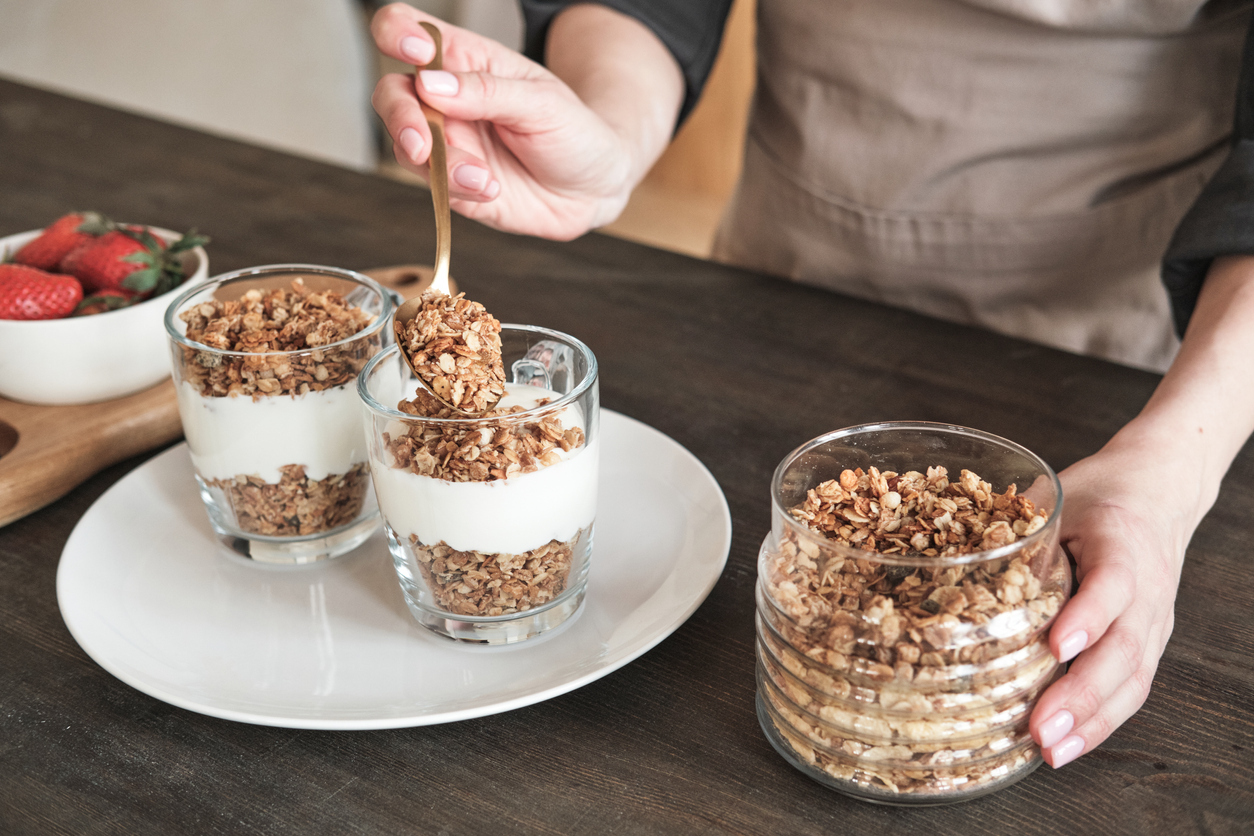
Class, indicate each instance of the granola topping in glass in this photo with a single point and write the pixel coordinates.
(264, 325)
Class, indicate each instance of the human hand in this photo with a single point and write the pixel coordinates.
(1127, 519)
(525, 153)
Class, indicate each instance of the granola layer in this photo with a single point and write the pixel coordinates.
(485, 451)
(476, 584)
(295, 505)
(264, 327)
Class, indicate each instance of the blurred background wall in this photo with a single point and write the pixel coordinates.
(500, 20)
(290, 74)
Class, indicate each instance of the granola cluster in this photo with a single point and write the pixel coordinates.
(477, 584)
(262, 323)
(454, 345)
(914, 513)
(901, 674)
(484, 453)
(295, 505)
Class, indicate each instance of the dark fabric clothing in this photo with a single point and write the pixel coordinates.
(1221, 221)
(691, 29)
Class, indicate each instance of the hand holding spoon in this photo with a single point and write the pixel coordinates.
(437, 166)
(466, 324)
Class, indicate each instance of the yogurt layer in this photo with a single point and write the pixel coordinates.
(324, 431)
(504, 516)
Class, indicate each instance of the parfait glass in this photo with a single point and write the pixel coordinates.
(490, 519)
(277, 438)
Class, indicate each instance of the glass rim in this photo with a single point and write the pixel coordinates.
(565, 400)
(924, 561)
(381, 319)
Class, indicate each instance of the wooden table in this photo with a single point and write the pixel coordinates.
(737, 367)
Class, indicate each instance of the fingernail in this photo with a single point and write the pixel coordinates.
(471, 177)
(1056, 727)
(417, 50)
(1066, 751)
(439, 82)
(1071, 646)
(493, 189)
(411, 143)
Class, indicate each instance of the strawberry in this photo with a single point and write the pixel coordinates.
(59, 237)
(131, 260)
(102, 301)
(99, 263)
(30, 293)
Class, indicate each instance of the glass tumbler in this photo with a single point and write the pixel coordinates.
(908, 677)
(277, 438)
(490, 519)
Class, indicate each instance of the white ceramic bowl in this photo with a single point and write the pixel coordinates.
(84, 359)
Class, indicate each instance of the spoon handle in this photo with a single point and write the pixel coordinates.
(438, 175)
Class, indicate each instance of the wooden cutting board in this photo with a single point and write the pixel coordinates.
(45, 451)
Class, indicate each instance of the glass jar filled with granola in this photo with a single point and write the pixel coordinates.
(490, 517)
(904, 598)
(265, 366)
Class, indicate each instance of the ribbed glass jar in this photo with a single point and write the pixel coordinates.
(908, 677)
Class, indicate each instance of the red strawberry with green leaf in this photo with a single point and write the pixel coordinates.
(31, 293)
(100, 264)
(132, 260)
(103, 301)
(60, 237)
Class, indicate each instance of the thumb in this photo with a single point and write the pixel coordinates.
(518, 104)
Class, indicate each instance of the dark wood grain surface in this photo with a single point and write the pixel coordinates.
(739, 368)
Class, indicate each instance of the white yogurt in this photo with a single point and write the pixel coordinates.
(230, 436)
(505, 516)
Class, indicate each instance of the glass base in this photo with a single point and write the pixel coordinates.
(511, 628)
(502, 629)
(874, 794)
(295, 551)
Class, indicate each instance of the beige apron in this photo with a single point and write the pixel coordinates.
(1014, 164)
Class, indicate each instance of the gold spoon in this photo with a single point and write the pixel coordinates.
(437, 166)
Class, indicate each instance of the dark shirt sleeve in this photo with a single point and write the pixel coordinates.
(691, 29)
(1221, 222)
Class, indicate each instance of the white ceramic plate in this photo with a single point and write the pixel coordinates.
(144, 589)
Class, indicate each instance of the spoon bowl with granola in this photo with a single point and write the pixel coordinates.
(451, 344)
(453, 347)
